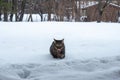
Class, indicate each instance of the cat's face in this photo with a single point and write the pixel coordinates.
(59, 43)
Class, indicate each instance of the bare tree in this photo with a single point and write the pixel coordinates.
(12, 10)
(73, 9)
(22, 10)
(0, 10)
(5, 10)
(61, 9)
(40, 9)
(31, 9)
(78, 10)
(48, 6)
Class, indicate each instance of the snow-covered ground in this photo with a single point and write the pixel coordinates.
(92, 51)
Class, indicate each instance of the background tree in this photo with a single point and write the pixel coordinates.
(22, 11)
(0, 9)
(12, 10)
(48, 8)
(62, 10)
(102, 4)
(5, 6)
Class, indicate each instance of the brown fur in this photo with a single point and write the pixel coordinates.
(57, 49)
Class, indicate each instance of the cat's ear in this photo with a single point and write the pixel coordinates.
(62, 40)
(54, 40)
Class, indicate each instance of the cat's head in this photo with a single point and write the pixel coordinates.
(59, 43)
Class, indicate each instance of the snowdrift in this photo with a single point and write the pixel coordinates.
(91, 69)
(92, 51)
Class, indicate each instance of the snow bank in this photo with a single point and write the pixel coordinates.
(92, 51)
(90, 69)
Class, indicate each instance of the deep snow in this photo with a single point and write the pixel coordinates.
(92, 51)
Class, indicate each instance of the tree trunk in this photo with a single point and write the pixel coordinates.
(5, 14)
(49, 10)
(5, 10)
(15, 9)
(73, 10)
(30, 18)
(99, 11)
(22, 10)
(41, 15)
(12, 10)
(0, 13)
(79, 11)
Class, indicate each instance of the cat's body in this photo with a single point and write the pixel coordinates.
(57, 49)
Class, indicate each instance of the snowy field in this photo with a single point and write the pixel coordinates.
(92, 51)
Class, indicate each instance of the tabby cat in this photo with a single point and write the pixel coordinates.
(57, 49)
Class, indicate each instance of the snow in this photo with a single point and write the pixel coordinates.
(92, 51)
